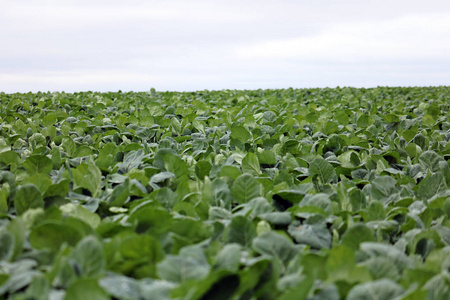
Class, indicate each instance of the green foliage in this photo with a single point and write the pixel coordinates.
(322, 170)
(245, 188)
(267, 194)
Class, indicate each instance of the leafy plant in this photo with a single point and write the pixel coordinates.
(267, 194)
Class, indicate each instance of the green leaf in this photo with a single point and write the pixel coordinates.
(160, 178)
(382, 267)
(363, 121)
(6, 246)
(166, 197)
(438, 287)
(42, 182)
(240, 133)
(39, 288)
(383, 187)
(428, 120)
(38, 164)
(267, 158)
(105, 158)
(49, 119)
(276, 246)
(4, 145)
(7, 179)
(10, 158)
(269, 117)
(431, 185)
(218, 285)
(320, 200)
(21, 274)
(430, 160)
(350, 159)
(158, 160)
(89, 257)
(341, 116)
(132, 160)
(330, 127)
(230, 171)
(376, 211)
(277, 219)
(177, 166)
(397, 257)
(52, 234)
(3, 279)
(121, 287)
(295, 195)
(138, 247)
(328, 292)
(150, 219)
(250, 164)
(245, 188)
(241, 230)
(156, 289)
(60, 188)
(4, 200)
(88, 176)
(181, 268)
(219, 213)
(220, 193)
(383, 289)
(391, 118)
(27, 196)
(85, 288)
(357, 199)
(120, 194)
(79, 212)
(228, 258)
(446, 207)
(202, 168)
(357, 234)
(341, 261)
(300, 291)
(322, 169)
(315, 236)
(17, 228)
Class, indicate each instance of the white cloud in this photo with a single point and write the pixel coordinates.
(409, 37)
(68, 15)
(200, 44)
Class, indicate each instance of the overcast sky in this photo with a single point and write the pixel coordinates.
(190, 45)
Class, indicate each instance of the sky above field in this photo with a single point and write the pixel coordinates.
(195, 45)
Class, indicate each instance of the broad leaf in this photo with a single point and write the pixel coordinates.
(85, 288)
(315, 236)
(52, 234)
(229, 258)
(28, 196)
(276, 246)
(250, 164)
(241, 230)
(38, 164)
(322, 169)
(88, 176)
(383, 289)
(357, 234)
(88, 254)
(245, 188)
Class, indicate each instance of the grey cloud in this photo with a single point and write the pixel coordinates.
(188, 45)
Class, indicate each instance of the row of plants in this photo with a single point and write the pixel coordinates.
(267, 194)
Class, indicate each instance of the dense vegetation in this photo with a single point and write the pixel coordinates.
(270, 194)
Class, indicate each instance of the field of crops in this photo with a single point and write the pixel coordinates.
(269, 194)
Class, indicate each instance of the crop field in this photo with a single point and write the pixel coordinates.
(318, 194)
